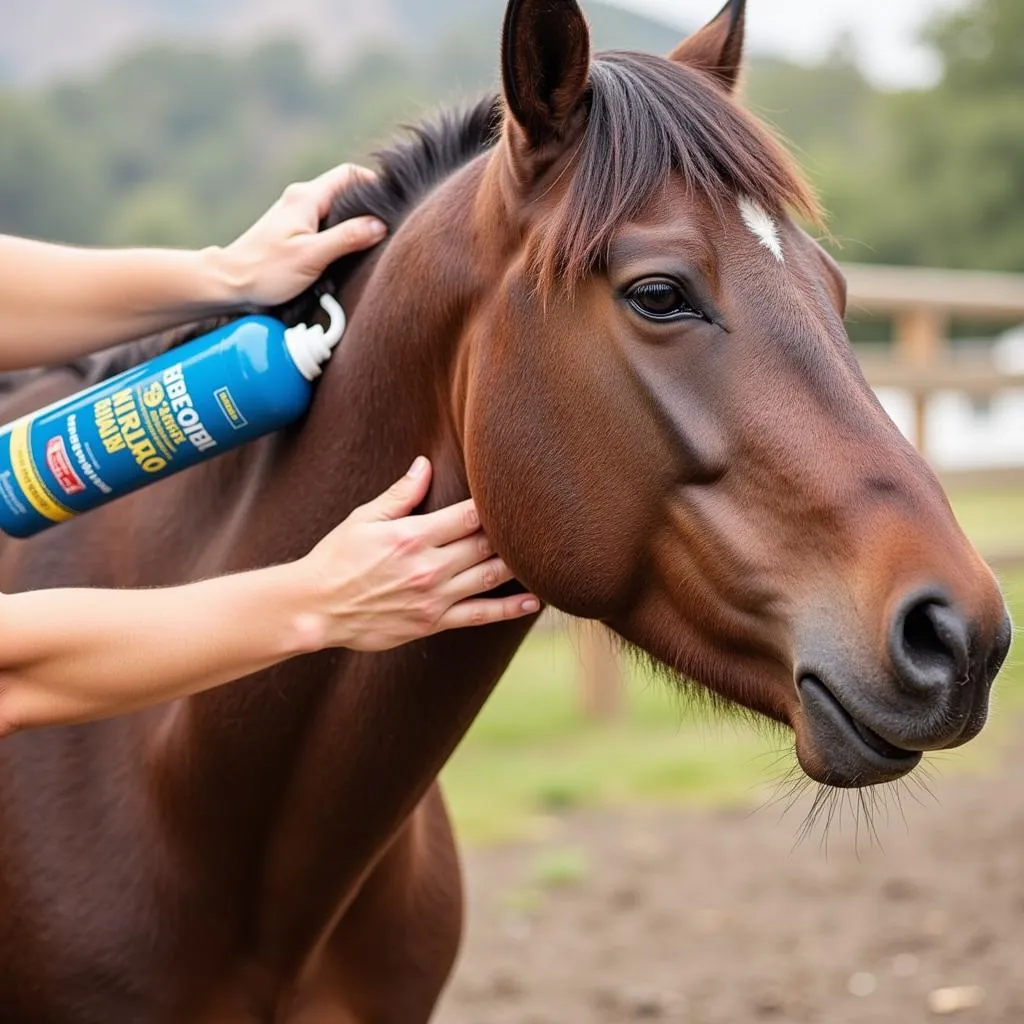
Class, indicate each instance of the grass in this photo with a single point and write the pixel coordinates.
(560, 868)
(531, 755)
(993, 519)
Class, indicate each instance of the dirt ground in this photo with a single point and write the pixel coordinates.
(714, 918)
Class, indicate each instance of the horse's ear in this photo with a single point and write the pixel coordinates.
(717, 48)
(545, 62)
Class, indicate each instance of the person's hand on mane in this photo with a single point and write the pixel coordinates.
(377, 581)
(61, 302)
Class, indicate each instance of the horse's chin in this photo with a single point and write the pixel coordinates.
(837, 750)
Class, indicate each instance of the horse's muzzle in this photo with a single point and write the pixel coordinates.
(863, 724)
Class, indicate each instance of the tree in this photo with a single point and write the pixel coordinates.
(50, 187)
(954, 160)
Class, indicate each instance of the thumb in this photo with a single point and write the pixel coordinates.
(401, 497)
(348, 237)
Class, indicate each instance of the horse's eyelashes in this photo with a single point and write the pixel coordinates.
(659, 297)
(662, 300)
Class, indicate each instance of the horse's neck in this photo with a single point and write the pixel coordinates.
(386, 397)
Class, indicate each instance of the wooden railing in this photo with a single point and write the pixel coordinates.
(921, 303)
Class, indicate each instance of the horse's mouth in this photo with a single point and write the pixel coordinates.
(846, 752)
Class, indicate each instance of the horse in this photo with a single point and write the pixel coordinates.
(598, 314)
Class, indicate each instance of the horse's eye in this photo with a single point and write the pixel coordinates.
(661, 300)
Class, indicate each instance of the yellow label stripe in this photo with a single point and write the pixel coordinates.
(27, 475)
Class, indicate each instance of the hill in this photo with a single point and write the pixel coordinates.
(52, 39)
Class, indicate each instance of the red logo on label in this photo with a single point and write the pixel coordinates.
(60, 466)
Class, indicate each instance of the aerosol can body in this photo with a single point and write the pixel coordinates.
(206, 397)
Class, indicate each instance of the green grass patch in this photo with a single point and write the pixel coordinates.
(992, 519)
(560, 868)
(532, 755)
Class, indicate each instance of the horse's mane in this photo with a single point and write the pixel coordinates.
(647, 117)
(410, 168)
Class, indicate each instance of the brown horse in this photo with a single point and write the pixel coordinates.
(597, 316)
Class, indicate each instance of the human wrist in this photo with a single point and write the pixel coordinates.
(227, 278)
(307, 624)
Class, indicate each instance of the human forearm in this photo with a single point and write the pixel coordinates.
(58, 303)
(381, 579)
(73, 655)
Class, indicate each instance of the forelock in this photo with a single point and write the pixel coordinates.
(649, 118)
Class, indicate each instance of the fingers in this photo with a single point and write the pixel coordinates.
(325, 188)
(486, 611)
(477, 580)
(349, 236)
(464, 554)
(400, 498)
(447, 525)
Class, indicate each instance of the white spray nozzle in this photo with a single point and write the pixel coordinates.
(310, 346)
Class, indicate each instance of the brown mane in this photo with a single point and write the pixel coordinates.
(408, 169)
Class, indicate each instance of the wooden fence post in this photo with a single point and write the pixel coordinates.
(920, 336)
(599, 672)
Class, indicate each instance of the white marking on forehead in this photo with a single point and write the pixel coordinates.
(763, 225)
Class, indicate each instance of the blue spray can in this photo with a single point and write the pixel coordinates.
(216, 392)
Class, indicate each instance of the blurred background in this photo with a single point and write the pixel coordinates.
(631, 857)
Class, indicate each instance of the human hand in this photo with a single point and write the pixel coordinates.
(284, 252)
(385, 578)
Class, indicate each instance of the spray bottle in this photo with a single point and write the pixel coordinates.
(210, 395)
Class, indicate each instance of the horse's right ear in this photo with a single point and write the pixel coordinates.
(718, 47)
(545, 62)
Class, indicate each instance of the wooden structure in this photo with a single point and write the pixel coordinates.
(921, 303)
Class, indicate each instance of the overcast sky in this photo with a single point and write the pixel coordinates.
(884, 30)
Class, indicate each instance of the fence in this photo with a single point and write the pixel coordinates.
(921, 303)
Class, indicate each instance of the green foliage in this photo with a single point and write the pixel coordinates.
(962, 147)
(184, 146)
(933, 177)
(48, 188)
(982, 48)
(159, 213)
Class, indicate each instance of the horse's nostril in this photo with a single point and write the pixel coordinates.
(930, 645)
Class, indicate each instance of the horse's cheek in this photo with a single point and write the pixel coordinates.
(571, 530)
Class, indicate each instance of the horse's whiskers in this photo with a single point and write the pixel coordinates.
(865, 805)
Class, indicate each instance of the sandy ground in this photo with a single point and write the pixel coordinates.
(715, 918)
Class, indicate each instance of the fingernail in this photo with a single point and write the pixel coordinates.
(376, 228)
(531, 605)
(418, 468)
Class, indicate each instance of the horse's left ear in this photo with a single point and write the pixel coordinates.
(545, 62)
(717, 48)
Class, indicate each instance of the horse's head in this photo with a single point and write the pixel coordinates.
(665, 425)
